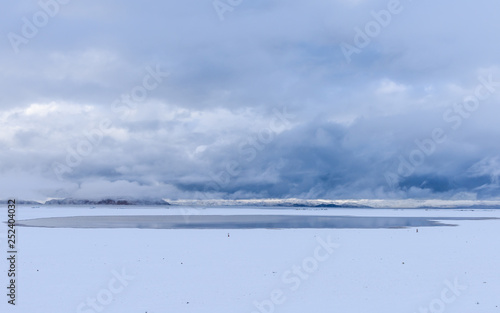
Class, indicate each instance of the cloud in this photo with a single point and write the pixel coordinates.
(210, 129)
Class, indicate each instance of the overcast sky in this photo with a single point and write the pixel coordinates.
(250, 99)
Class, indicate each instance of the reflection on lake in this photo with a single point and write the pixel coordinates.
(238, 221)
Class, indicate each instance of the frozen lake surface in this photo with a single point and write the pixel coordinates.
(239, 221)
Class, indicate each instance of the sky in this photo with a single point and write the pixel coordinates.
(239, 99)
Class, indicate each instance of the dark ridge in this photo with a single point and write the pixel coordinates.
(21, 202)
(70, 201)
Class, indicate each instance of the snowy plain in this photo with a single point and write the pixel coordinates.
(437, 269)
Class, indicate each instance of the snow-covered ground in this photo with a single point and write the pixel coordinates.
(438, 269)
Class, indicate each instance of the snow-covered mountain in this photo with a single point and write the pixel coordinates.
(20, 202)
(292, 202)
(106, 202)
(350, 203)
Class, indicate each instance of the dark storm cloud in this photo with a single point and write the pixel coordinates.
(393, 122)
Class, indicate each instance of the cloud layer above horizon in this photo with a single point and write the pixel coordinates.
(250, 99)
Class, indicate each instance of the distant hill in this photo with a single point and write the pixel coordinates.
(305, 203)
(71, 201)
(346, 203)
(290, 202)
(21, 202)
